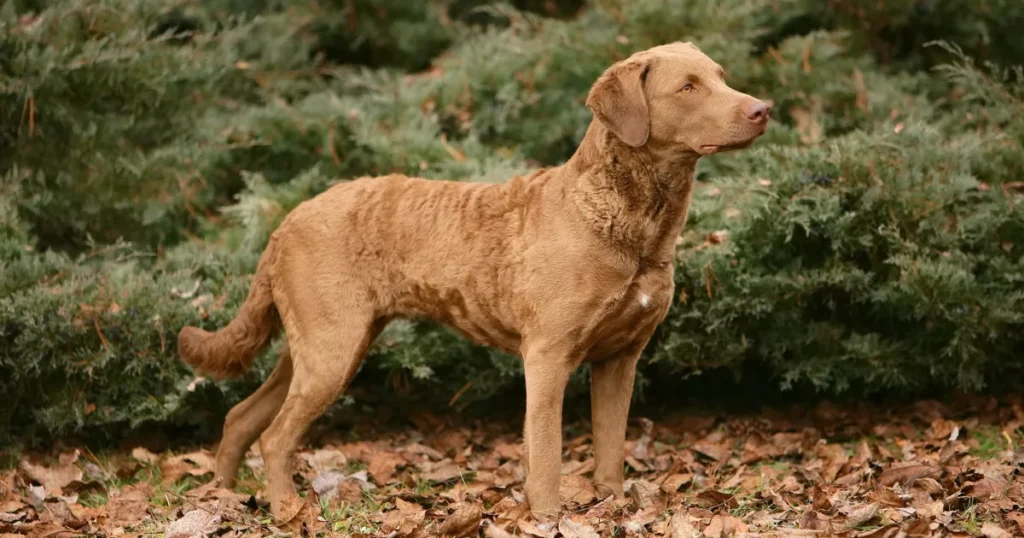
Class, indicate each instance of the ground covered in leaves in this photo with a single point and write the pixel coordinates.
(927, 469)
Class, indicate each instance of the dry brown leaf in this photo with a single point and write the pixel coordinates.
(403, 521)
(493, 531)
(53, 479)
(577, 490)
(1017, 517)
(860, 514)
(806, 125)
(382, 466)
(58, 511)
(887, 531)
(682, 525)
(714, 451)
(327, 459)
(571, 529)
(145, 456)
(643, 448)
(993, 530)
(194, 463)
(985, 489)
(443, 472)
(464, 522)
(811, 520)
(541, 529)
(819, 500)
(129, 506)
(212, 491)
(645, 495)
(722, 525)
(712, 499)
(194, 524)
(676, 481)
(907, 473)
(7, 507)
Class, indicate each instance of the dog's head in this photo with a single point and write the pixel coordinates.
(675, 96)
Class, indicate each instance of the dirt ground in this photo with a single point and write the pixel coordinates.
(925, 469)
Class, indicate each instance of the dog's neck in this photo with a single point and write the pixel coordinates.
(633, 198)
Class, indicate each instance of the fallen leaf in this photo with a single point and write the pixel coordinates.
(721, 526)
(194, 464)
(1018, 518)
(645, 495)
(382, 466)
(52, 479)
(681, 525)
(887, 531)
(327, 459)
(541, 529)
(860, 514)
(464, 522)
(403, 521)
(643, 448)
(493, 531)
(985, 489)
(36, 496)
(674, 482)
(145, 456)
(444, 472)
(908, 473)
(993, 530)
(194, 524)
(129, 506)
(8, 507)
(712, 499)
(571, 529)
(577, 489)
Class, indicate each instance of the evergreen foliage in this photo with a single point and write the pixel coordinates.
(871, 242)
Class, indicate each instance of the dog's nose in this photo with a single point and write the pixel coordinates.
(757, 110)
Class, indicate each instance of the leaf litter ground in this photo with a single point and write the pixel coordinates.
(926, 469)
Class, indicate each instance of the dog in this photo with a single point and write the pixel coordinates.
(564, 266)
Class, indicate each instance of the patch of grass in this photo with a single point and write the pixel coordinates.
(424, 487)
(9, 458)
(347, 518)
(969, 523)
(92, 499)
(990, 442)
(249, 482)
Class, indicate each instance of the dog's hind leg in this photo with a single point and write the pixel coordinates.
(247, 420)
(326, 354)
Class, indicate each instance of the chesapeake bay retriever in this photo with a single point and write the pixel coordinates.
(566, 265)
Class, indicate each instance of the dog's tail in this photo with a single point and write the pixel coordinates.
(230, 351)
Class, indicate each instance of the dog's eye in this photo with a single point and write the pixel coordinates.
(688, 88)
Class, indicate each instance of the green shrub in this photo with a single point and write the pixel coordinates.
(870, 242)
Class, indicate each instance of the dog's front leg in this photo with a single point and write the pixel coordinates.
(547, 373)
(611, 388)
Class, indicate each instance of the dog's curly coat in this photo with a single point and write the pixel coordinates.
(567, 265)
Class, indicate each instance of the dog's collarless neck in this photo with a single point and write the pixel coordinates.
(628, 196)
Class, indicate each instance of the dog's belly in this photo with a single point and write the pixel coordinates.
(462, 310)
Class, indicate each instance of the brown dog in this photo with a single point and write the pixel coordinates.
(567, 265)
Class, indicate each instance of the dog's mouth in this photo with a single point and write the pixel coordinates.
(711, 149)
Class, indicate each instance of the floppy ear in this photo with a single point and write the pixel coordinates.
(618, 101)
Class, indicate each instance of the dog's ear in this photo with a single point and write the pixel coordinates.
(619, 102)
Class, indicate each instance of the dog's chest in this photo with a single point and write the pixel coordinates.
(633, 317)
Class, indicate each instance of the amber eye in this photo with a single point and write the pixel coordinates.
(688, 88)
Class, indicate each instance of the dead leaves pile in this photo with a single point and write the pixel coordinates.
(928, 470)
